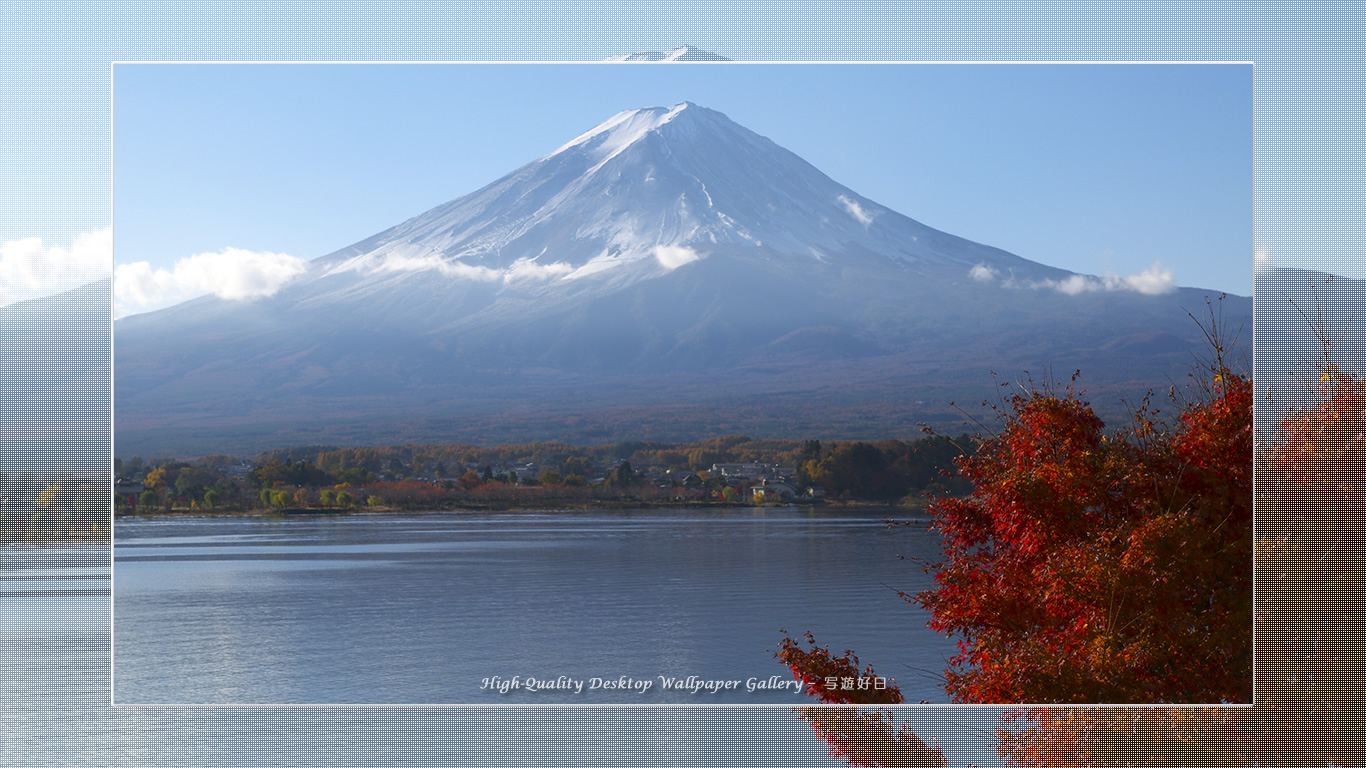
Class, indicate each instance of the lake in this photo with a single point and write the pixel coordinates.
(553, 607)
(55, 706)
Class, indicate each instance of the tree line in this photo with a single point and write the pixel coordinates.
(433, 474)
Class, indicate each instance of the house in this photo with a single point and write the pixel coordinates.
(774, 491)
(741, 472)
(685, 479)
(129, 489)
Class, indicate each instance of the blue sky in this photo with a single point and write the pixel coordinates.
(1094, 168)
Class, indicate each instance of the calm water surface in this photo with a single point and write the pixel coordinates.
(55, 708)
(424, 609)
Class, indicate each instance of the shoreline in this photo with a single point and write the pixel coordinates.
(541, 505)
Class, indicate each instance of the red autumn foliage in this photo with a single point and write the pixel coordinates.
(1095, 566)
(407, 493)
(1089, 566)
(1311, 678)
(835, 680)
(866, 738)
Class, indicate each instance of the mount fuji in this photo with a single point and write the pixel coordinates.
(681, 53)
(667, 274)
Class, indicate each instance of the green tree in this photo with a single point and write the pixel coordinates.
(356, 476)
(856, 469)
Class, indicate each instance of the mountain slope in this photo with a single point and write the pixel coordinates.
(54, 372)
(668, 261)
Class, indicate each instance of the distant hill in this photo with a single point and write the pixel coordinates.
(54, 372)
(1297, 310)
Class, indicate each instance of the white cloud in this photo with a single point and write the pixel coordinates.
(1076, 284)
(675, 256)
(525, 269)
(983, 273)
(1156, 279)
(1151, 281)
(398, 262)
(864, 217)
(232, 273)
(29, 269)
(395, 261)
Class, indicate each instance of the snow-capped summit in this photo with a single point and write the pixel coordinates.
(656, 188)
(681, 53)
(622, 129)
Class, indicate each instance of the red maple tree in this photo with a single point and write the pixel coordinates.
(1310, 707)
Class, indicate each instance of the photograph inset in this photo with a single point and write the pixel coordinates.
(605, 384)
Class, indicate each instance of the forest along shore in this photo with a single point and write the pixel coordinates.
(720, 472)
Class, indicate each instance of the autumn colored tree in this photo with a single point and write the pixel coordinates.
(1094, 565)
(54, 497)
(1310, 671)
(160, 477)
(835, 679)
(1089, 566)
(868, 738)
(864, 738)
(1311, 675)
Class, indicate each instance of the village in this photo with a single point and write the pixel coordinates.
(735, 483)
(736, 470)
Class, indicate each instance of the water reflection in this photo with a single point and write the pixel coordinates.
(421, 609)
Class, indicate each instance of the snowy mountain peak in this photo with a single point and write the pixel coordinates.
(681, 53)
(644, 193)
(621, 130)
